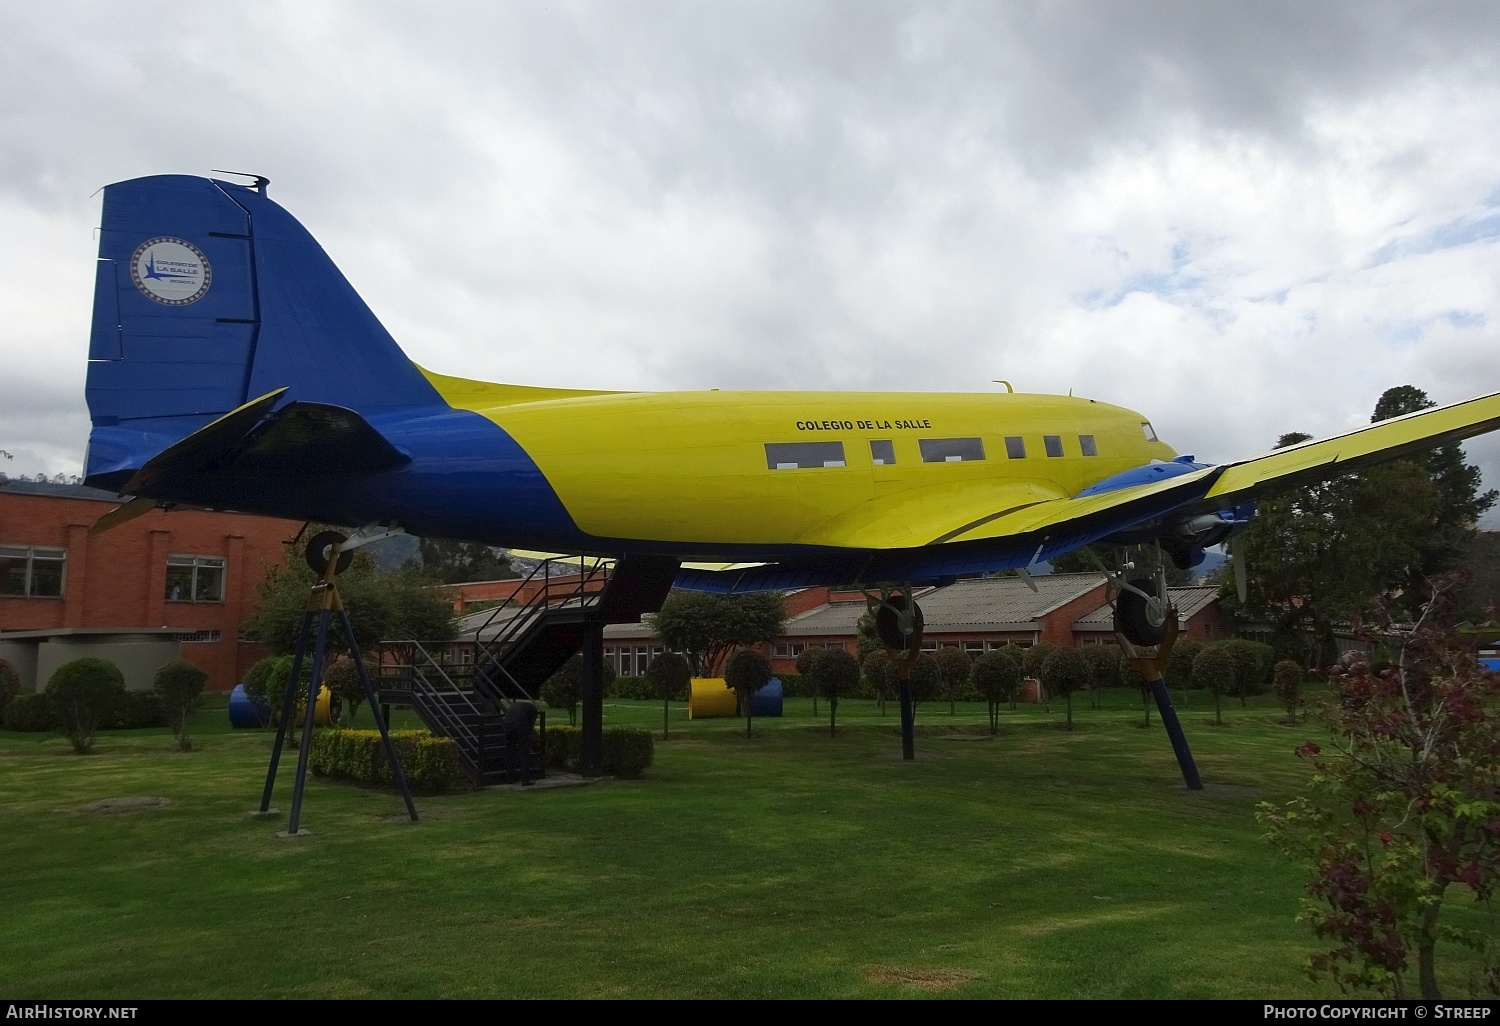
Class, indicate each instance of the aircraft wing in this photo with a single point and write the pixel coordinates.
(1320, 459)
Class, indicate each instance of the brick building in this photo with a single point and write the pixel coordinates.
(975, 615)
(193, 571)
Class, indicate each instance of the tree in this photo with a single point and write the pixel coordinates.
(84, 693)
(865, 638)
(1032, 658)
(705, 627)
(1065, 671)
(1104, 668)
(953, 667)
(997, 676)
(1459, 502)
(1179, 671)
(1214, 668)
(1479, 593)
(671, 676)
(834, 672)
(10, 684)
(342, 679)
(804, 667)
(1246, 666)
(563, 688)
(926, 680)
(400, 605)
(1132, 677)
(1402, 805)
(1327, 552)
(746, 673)
(879, 675)
(454, 562)
(1287, 678)
(179, 685)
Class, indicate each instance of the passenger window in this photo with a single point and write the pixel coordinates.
(882, 453)
(1053, 444)
(1150, 432)
(1086, 443)
(951, 450)
(804, 455)
(1015, 448)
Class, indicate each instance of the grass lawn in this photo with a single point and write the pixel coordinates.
(1039, 863)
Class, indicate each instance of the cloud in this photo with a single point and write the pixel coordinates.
(1239, 219)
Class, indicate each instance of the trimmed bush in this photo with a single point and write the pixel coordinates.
(32, 714)
(633, 687)
(10, 685)
(85, 692)
(179, 687)
(1286, 676)
(431, 763)
(627, 752)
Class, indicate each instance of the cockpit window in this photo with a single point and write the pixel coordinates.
(1150, 431)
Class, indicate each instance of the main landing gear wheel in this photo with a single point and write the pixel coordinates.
(318, 548)
(888, 621)
(1143, 622)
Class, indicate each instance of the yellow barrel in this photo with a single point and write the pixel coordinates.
(710, 697)
(323, 711)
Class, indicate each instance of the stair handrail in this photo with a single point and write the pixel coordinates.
(547, 597)
(441, 710)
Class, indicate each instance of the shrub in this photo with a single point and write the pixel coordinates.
(342, 679)
(179, 687)
(926, 680)
(834, 673)
(626, 752)
(1104, 667)
(1032, 658)
(996, 676)
(10, 684)
(85, 692)
(670, 676)
(639, 688)
(31, 713)
(135, 711)
(430, 763)
(1064, 672)
(795, 685)
(1287, 678)
(746, 673)
(1247, 666)
(1179, 672)
(1215, 668)
(953, 667)
(877, 676)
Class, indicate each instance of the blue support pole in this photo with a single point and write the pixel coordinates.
(288, 705)
(320, 651)
(1174, 732)
(908, 723)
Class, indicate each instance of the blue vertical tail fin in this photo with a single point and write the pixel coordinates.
(207, 295)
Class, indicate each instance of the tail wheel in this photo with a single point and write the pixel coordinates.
(1142, 622)
(889, 617)
(318, 548)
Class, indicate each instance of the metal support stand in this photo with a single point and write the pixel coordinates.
(323, 603)
(591, 743)
(1153, 664)
(908, 722)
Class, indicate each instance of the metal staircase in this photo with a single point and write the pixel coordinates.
(461, 690)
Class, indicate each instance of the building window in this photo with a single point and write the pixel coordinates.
(195, 579)
(1053, 445)
(1086, 444)
(1015, 447)
(31, 571)
(788, 649)
(951, 450)
(199, 637)
(804, 455)
(882, 452)
(974, 648)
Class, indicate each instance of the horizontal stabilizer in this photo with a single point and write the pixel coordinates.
(254, 442)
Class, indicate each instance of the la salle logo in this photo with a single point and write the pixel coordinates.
(171, 271)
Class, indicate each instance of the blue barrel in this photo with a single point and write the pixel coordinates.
(245, 713)
(767, 701)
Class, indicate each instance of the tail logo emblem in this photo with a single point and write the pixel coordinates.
(171, 271)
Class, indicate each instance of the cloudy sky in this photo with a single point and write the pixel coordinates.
(1240, 219)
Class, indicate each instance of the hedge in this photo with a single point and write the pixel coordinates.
(431, 763)
(633, 687)
(626, 753)
(33, 713)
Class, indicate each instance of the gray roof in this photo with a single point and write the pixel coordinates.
(982, 604)
(57, 490)
(1189, 602)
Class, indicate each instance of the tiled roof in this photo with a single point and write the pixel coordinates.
(1189, 602)
(985, 603)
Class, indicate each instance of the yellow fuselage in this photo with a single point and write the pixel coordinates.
(713, 467)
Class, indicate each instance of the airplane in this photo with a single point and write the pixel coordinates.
(257, 380)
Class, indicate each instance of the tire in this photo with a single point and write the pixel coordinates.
(317, 552)
(886, 627)
(1134, 617)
